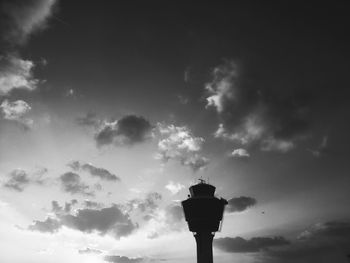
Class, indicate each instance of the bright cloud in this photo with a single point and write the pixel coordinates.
(16, 73)
(174, 188)
(240, 153)
(177, 142)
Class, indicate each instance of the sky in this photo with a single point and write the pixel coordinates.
(111, 110)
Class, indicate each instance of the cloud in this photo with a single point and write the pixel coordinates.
(19, 179)
(21, 19)
(322, 149)
(240, 153)
(272, 144)
(239, 204)
(174, 188)
(122, 259)
(71, 183)
(174, 216)
(323, 242)
(255, 244)
(89, 251)
(101, 173)
(89, 120)
(108, 220)
(16, 73)
(92, 204)
(129, 130)
(48, 226)
(250, 113)
(146, 206)
(15, 111)
(177, 142)
(327, 230)
(57, 209)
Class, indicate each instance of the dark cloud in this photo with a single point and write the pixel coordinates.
(128, 130)
(102, 173)
(323, 242)
(71, 183)
(19, 179)
(241, 245)
(89, 251)
(122, 259)
(251, 113)
(239, 204)
(107, 220)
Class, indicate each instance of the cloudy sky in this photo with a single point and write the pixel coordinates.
(109, 111)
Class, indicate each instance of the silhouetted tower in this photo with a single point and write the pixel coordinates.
(203, 213)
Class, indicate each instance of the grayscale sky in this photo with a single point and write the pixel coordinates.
(110, 110)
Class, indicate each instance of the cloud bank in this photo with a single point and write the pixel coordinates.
(109, 220)
(241, 245)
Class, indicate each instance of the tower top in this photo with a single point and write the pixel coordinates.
(202, 189)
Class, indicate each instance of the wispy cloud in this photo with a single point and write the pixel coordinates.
(19, 179)
(71, 183)
(101, 173)
(252, 114)
(24, 18)
(18, 21)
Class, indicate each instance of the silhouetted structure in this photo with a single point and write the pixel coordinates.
(203, 213)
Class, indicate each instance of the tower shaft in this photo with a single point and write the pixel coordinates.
(204, 242)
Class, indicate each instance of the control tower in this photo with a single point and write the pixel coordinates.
(203, 213)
